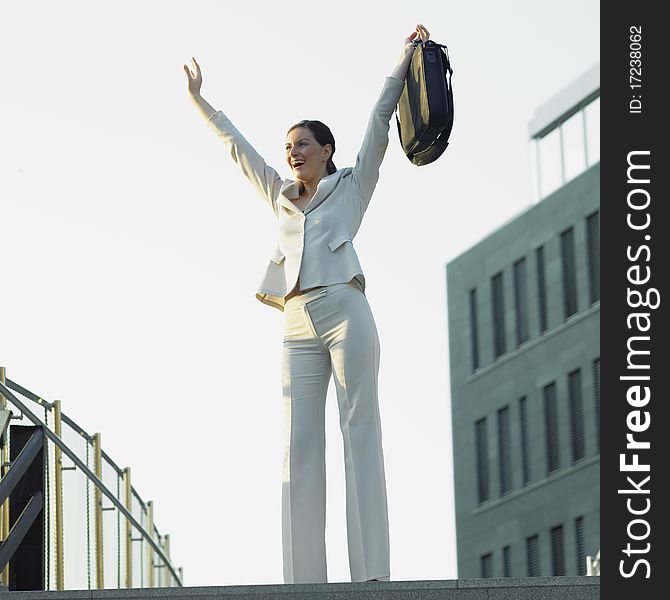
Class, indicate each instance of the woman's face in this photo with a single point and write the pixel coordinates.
(306, 157)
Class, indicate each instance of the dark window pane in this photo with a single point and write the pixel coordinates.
(569, 277)
(579, 543)
(521, 301)
(474, 340)
(551, 427)
(482, 460)
(533, 556)
(497, 303)
(557, 555)
(596, 393)
(576, 414)
(504, 451)
(525, 453)
(486, 562)
(593, 255)
(507, 561)
(541, 288)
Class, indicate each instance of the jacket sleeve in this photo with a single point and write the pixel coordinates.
(365, 173)
(263, 177)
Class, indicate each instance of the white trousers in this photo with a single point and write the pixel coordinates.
(331, 330)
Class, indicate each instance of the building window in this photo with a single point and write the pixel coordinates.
(557, 556)
(504, 451)
(533, 556)
(592, 117)
(507, 561)
(497, 302)
(579, 546)
(525, 454)
(474, 340)
(550, 163)
(572, 141)
(567, 149)
(541, 288)
(521, 301)
(486, 563)
(593, 255)
(482, 460)
(569, 276)
(576, 414)
(596, 394)
(551, 427)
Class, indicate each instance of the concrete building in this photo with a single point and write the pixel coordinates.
(524, 344)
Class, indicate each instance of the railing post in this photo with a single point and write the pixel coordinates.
(4, 509)
(129, 528)
(165, 576)
(97, 465)
(150, 550)
(58, 461)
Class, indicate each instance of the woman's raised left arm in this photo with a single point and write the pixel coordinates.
(365, 173)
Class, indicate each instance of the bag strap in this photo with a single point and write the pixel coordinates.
(445, 51)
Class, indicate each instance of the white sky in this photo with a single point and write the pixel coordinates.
(131, 246)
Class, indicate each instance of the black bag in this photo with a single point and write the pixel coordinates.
(425, 112)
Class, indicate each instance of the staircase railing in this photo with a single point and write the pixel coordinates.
(155, 568)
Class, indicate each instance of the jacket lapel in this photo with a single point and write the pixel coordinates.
(323, 190)
(291, 190)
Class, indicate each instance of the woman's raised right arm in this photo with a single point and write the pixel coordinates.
(263, 177)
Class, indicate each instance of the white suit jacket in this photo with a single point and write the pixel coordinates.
(317, 243)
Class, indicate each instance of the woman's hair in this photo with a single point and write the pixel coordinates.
(322, 135)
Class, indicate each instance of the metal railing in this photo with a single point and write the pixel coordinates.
(150, 567)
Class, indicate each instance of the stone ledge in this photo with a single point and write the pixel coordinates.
(523, 588)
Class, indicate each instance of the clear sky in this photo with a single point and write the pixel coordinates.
(131, 246)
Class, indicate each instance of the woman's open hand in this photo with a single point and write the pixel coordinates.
(419, 31)
(194, 78)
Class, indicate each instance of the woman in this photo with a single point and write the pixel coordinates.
(315, 278)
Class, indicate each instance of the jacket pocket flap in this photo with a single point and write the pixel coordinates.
(334, 245)
(278, 256)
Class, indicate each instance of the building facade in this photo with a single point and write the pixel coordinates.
(524, 345)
